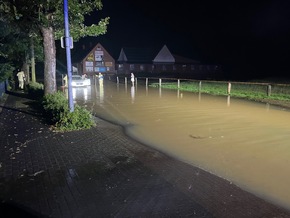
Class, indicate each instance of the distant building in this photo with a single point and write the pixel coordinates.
(148, 60)
(135, 60)
(141, 61)
(165, 61)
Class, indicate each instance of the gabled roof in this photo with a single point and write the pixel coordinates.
(137, 55)
(85, 45)
(164, 56)
(122, 56)
(94, 48)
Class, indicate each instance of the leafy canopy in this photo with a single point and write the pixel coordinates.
(49, 13)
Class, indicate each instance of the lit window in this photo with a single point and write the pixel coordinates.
(99, 63)
(120, 66)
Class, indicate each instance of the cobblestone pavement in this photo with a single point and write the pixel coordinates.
(103, 173)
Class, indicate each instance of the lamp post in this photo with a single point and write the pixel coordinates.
(68, 55)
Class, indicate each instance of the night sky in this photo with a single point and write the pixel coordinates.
(250, 39)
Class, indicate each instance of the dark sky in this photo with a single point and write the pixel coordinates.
(248, 38)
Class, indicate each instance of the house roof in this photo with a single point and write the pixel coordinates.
(183, 60)
(127, 54)
(137, 55)
(165, 56)
(96, 47)
(85, 45)
(152, 55)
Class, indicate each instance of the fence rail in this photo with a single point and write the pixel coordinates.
(222, 87)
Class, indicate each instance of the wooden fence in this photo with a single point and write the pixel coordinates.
(229, 87)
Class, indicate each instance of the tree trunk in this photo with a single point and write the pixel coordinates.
(33, 77)
(49, 60)
(26, 68)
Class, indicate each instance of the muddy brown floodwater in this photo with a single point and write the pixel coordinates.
(245, 142)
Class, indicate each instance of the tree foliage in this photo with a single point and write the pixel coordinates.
(45, 18)
(42, 13)
(6, 70)
(7, 50)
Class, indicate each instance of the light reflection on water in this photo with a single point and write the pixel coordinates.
(244, 142)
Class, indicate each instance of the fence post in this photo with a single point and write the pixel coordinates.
(160, 81)
(178, 83)
(229, 88)
(199, 86)
(269, 90)
(228, 100)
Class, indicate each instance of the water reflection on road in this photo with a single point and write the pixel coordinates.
(244, 142)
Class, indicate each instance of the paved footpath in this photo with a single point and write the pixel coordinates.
(103, 173)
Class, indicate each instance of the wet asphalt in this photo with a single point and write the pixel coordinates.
(101, 172)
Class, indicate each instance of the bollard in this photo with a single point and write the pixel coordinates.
(160, 81)
(125, 80)
(146, 82)
(62, 82)
(269, 90)
(178, 83)
(63, 88)
(229, 88)
(199, 86)
(117, 80)
(228, 100)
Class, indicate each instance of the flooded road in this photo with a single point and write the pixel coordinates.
(244, 142)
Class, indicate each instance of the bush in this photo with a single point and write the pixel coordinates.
(35, 90)
(80, 118)
(6, 71)
(56, 111)
(53, 106)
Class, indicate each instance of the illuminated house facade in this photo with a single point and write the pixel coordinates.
(98, 60)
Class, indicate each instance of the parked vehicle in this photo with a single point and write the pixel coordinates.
(78, 81)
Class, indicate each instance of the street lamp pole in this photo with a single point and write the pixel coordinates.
(68, 55)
